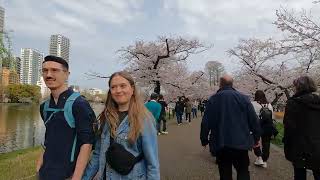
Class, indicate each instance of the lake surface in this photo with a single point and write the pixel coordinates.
(21, 126)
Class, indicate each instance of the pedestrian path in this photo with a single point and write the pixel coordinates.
(182, 157)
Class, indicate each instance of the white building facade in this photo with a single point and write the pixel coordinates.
(31, 60)
(59, 46)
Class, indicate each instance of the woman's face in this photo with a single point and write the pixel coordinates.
(121, 90)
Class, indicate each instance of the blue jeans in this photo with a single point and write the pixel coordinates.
(194, 112)
(301, 174)
(179, 117)
(164, 123)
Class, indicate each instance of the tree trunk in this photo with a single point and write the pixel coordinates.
(157, 88)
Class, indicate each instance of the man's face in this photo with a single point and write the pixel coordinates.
(54, 74)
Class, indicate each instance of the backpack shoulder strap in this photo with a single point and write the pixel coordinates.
(68, 115)
(47, 109)
(68, 109)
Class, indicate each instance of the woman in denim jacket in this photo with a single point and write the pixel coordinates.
(128, 122)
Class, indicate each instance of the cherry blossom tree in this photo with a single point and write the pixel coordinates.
(193, 85)
(259, 56)
(301, 37)
(151, 62)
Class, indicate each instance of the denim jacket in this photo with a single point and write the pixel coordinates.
(147, 168)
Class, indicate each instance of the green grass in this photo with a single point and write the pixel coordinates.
(278, 140)
(19, 164)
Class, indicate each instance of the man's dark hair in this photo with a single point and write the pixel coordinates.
(304, 84)
(59, 60)
(154, 96)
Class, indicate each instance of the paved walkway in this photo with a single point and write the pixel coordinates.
(182, 157)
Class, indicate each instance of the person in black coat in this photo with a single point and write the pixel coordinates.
(179, 108)
(302, 129)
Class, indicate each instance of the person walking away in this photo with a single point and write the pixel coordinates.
(264, 112)
(68, 119)
(301, 129)
(162, 116)
(188, 110)
(154, 107)
(171, 106)
(179, 110)
(231, 118)
(201, 108)
(127, 146)
(194, 109)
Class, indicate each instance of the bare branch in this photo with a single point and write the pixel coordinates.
(94, 75)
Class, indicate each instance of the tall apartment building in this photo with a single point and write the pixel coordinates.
(1, 19)
(31, 60)
(59, 46)
(18, 65)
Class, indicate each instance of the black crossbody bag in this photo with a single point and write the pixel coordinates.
(119, 159)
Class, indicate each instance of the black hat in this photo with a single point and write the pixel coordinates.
(57, 59)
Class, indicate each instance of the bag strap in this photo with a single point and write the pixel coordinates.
(68, 115)
(139, 158)
(46, 109)
(68, 109)
(111, 140)
(264, 105)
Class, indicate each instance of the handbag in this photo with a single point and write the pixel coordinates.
(119, 159)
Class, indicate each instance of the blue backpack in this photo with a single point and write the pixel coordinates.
(67, 110)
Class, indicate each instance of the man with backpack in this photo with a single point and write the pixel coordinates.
(68, 118)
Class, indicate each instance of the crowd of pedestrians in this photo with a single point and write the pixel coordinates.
(234, 126)
(121, 143)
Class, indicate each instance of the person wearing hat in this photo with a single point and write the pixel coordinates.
(69, 132)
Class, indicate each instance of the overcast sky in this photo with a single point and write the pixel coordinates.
(97, 28)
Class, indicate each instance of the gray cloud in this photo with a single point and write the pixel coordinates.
(97, 28)
(225, 22)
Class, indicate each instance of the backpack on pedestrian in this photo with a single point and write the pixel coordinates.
(267, 123)
(68, 115)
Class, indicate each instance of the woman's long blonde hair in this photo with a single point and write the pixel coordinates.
(136, 113)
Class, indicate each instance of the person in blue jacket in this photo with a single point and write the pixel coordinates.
(125, 121)
(230, 117)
